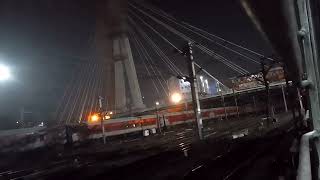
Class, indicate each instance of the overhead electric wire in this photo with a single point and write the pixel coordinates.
(229, 42)
(171, 18)
(228, 63)
(211, 40)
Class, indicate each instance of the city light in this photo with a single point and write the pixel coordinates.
(157, 103)
(110, 112)
(94, 118)
(4, 73)
(107, 117)
(176, 97)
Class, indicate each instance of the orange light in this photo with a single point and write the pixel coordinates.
(176, 98)
(94, 118)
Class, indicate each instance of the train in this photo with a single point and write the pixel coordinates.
(168, 118)
(212, 109)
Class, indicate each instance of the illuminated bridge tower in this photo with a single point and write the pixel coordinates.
(113, 48)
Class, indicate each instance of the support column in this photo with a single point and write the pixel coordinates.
(134, 87)
(120, 89)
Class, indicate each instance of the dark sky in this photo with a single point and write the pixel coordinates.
(43, 41)
(223, 18)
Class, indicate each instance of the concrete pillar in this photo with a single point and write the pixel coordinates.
(136, 98)
(120, 89)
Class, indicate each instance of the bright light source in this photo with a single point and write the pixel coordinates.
(4, 73)
(17, 122)
(110, 112)
(207, 83)
(94, 118)
(157, 103)
(107, 117)
(176, 97)
(201, 77)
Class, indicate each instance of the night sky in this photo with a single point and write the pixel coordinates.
(43, 42)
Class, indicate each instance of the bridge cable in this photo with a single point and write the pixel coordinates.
(62, 118)
(150, 62)
(145, 66)
(230, 64)
(64, 96)
(178, 50)
(153, 44)
(220, 58)
(77, 95)
(160, 53)
(171, 18)
(93, 91)
(87, 91)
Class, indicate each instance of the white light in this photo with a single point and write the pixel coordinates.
(41, 124)
(4, 73)
(17, 122)
(201, 77)
(157, 103)
(176, 97)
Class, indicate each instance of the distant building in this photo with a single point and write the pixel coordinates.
(206, 87)
(274, 75)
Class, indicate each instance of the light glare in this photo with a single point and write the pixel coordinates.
(4, 73)
(176, 97)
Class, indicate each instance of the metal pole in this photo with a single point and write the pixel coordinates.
(284, 99)
(164, 123)
(194, 90)
(102, 119)
(158, 119)
(236, 102)
(223, 102)
(254, 105)
(267, 89)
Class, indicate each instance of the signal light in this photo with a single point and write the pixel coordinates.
(95, 118)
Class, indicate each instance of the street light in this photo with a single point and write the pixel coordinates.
(157, 113)
(176, 97)
(4, 73)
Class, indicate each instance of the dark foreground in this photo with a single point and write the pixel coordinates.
(176, 154)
